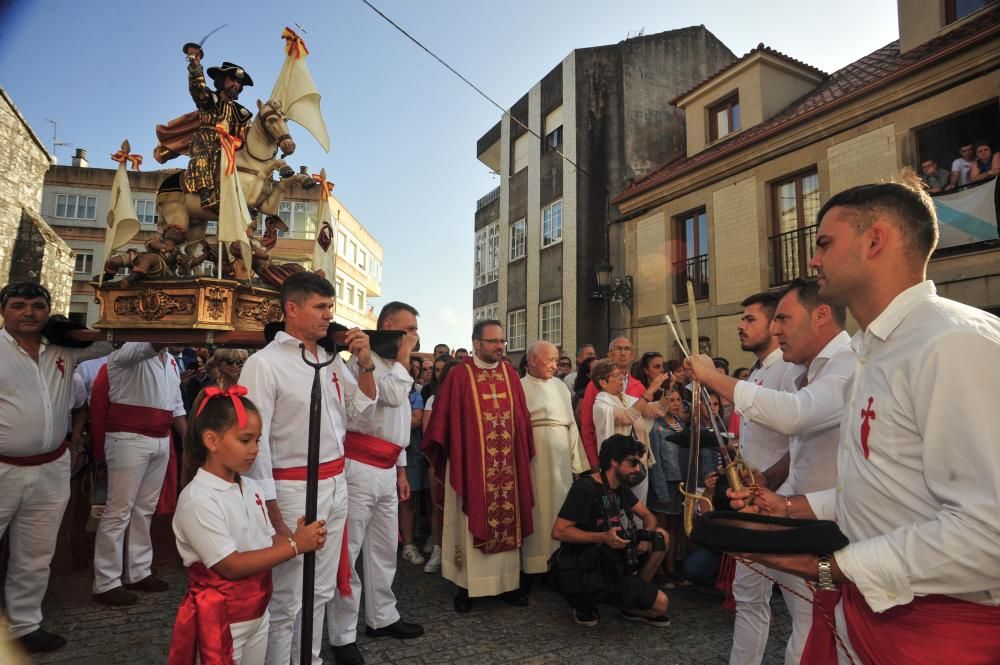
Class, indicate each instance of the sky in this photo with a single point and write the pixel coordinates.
(403, 129)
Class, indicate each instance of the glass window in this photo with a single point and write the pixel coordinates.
(352, 252)
(550, 322)
(796, 202)
(518, 239)
(350, 295)
(554, 138)
(72, 206)
(362, 259)
(487, 267)
(341, 243)
(552, 223)
(484, 313)
(724, 117)
(340, 289)
(517, 330)
(145, 211)
(691, 254)
(84, 263)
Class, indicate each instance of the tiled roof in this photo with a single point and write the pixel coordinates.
(856, 79)
(761, 48)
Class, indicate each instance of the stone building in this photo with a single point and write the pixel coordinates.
(29, 249)
(598, 120)
(769, 139)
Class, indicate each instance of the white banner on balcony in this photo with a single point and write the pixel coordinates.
(967, 216)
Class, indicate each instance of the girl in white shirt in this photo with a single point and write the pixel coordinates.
(225, 538)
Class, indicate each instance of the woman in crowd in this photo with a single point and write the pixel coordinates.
(580, 385)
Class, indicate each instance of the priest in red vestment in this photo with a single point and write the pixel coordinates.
(479, 440)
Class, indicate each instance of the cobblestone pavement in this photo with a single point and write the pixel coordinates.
(492, 633)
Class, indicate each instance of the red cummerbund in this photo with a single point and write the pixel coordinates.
(371, 450)
(326, 470)
(145, 420)
(36, 460)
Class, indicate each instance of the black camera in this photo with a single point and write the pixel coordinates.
(634, 536)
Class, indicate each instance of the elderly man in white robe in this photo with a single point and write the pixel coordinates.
(559, 451)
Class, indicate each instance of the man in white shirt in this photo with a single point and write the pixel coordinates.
(280, 384)
(584, 352)
(762, 448)
(961, 168)
(811, 334)
(36, 386)
(376, 465)
(144, 404)
(918, 489)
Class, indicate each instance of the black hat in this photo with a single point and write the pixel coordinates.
(229, 69)
(192, 45)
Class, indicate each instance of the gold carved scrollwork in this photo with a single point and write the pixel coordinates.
(215, 301)
(153, 304)
(263, 311)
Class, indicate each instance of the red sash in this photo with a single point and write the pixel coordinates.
(927, 631)
(36, 460)
(371, 450)
(145, 420)
(213, 603)
(326, 470)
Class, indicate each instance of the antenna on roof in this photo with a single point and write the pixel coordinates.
(56, 143)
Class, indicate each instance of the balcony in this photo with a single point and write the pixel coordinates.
(488, 199)
(790, 254)
(694, 269)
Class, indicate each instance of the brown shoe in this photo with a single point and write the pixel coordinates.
(151, 584)
(117, 597)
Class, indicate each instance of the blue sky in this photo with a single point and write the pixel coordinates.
(403, 129)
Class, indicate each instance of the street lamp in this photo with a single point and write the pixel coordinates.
(619, 291)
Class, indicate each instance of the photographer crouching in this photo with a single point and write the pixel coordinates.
(604, 558)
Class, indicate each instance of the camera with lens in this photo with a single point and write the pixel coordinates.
(634, 537)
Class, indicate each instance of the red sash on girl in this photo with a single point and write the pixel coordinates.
(371, 450)
(927, 631)
(211, 604)
(326, 470)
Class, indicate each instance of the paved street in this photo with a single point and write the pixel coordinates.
(492, 633)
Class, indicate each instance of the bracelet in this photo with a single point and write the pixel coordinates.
(295, 546)
(788, 507)
(367, 370)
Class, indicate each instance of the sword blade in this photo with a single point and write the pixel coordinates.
(205, 38)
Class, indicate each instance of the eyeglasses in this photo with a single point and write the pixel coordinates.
(621, 348)
(501, 342)
(235, 363)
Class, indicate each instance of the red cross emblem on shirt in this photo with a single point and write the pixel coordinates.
(336, 384)
(867, 414)
(61, 366)
(261, 504)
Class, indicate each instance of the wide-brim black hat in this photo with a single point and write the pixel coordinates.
(229, 69)
(727, 531)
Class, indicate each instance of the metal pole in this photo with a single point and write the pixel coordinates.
(312, 491)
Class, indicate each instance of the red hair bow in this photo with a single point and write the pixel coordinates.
(234, 393)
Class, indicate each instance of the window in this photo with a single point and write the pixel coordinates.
(488, 254)
(554, 138)
(72, 206)
(362, 259)
(484, 313)
(724, 117)
(517, 328)
(795, 202)
(959, 9)
(691, 255)
(212, 227)
(352, 251)
(361, 298)
(145, 211)
(550, 322)
(84, 263)
(518, 239)
(350, 295)
(340, 289)
(300, 218)
(552, 223)
(341, 243)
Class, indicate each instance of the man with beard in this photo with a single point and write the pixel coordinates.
(918, 468)
(593, 514)
(762, 448)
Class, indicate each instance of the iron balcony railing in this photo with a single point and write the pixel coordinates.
(791, 252)
(694, 269)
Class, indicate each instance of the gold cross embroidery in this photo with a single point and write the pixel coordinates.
(495, 396)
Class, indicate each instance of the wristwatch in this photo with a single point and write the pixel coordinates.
(367, 370)
(824, 575)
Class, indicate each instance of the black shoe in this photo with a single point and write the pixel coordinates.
(41, 641)
(150, 583)
(587, 617)
(517, 598)
(401, 630)
(347, 654)
(660, 621)
(117, 597)
(463, 604)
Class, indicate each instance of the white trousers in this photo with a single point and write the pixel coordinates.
(752, 593)
(286, 599)
(372, 529)
(250, 640)
(32, 502)
(136, 466)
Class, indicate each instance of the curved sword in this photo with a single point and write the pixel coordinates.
(689, 488)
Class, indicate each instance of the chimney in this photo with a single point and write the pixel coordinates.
(304, 170)
(80, 158)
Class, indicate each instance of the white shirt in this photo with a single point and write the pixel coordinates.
(922, 512)
(139, 375)
(279, 383)
(570, 380)
(761, 446)
(809, 416)
(391, 418)
(215, 518)
(429, 404)
(34, 397)
(88, 369)
(964, 169)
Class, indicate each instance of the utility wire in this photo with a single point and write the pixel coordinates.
(481, 93)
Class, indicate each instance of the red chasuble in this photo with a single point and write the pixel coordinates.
(481, 424)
